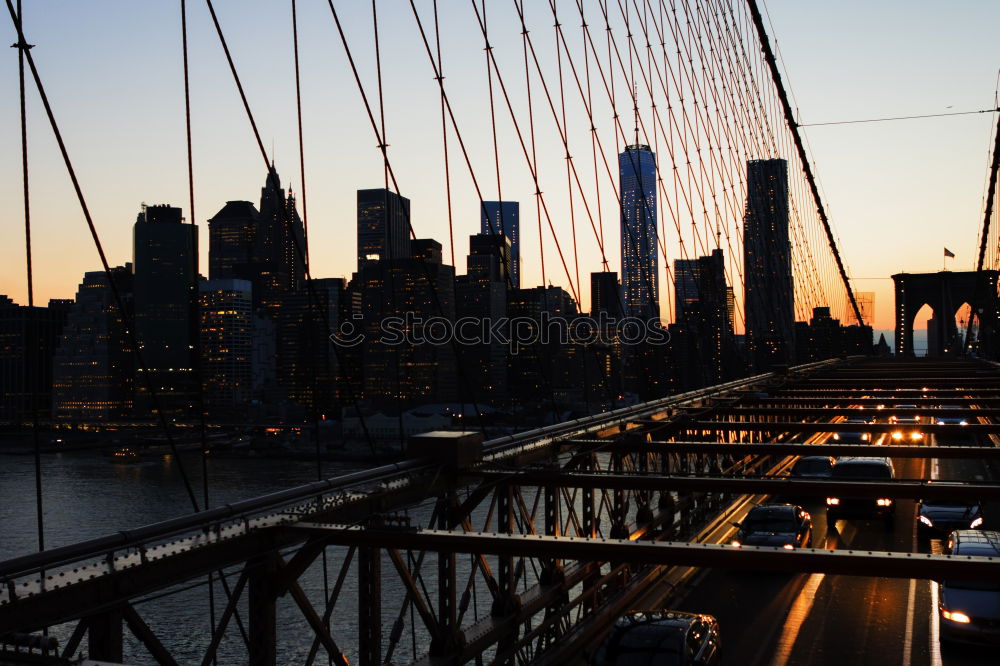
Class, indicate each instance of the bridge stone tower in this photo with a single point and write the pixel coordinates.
(945, 292)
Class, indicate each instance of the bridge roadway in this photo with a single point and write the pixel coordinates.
(803, 619)
(551, 605)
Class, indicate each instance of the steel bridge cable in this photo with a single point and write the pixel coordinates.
(116, 294)
(392, 178)
(313, 345)
(472, 173)
(22, 46)
(193, 293)
(299, 250)
(789, 117)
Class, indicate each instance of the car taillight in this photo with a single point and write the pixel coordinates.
(956, 616)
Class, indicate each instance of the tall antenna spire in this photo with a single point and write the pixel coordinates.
(635, 107)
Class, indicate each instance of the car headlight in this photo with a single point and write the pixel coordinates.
(964, 422)
(832, 501)
(884, 501)
(976, 523)
(955, 616)
(926, 521)
(736, 544)
(916, 435)
(897, 435)
(789, 546)
(836, 435)
(865, 437)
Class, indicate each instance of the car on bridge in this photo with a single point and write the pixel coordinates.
(944, 419)
(812, 467)
(908, 426)
(667, 638)
(850, 468)
(938, 518)
(853, 437)
(970, 610)
(780, 525)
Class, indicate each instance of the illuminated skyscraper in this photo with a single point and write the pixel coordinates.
(383, 226)
(226, 344)
(503, 218)
(637, 180)
(769, 296)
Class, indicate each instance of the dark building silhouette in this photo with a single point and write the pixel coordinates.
(605, 295)
(396, 372)
(279, 246)
(502, 218)
(93, 367)
(703, 347)
(823, 338)
(686, 272)
(28, 338)
(231, 236)
(166, 325)
(480, 299)
(307, 364)
(545, 373)
(640, 274)
(226, 345)
(383, 226)
(769, 294)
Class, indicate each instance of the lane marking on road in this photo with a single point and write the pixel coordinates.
(802, 607)
(911, 595)
(935, 644)
(933, 640)
(796, 617)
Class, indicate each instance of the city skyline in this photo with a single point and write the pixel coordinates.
(113, 194)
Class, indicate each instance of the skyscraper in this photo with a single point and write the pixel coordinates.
(637, 181)
(481, 295)
(226, 344)
(605, 295)
(93, 367)
(28, 336)
(383, 226)
(769, 294)
(419, 286)
(686, 277)
(231, 236)
(165, 255)
(307, 363)
(279, 245)
(503, 218)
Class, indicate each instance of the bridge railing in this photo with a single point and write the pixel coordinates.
(131, 546)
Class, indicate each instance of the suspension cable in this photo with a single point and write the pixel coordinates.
(112, 283)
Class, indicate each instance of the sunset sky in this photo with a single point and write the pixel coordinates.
(897, 192)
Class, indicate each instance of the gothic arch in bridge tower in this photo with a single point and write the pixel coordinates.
(946, 293)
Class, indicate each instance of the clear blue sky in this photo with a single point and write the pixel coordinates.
(897, 192)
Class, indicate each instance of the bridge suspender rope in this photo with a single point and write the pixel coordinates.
(793, 126)
(112, 284)
(991, 189)
(22, 47)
